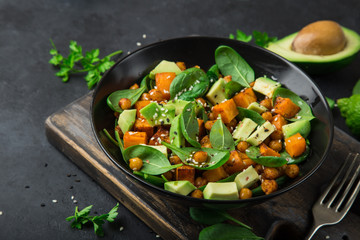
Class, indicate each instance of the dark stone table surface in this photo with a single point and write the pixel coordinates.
(38, 185)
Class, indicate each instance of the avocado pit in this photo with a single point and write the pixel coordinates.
(320, 38)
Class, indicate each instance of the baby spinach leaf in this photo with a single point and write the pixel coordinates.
(222, 231)
(297, 160)
(206, 215)
(231, 63)
(189, 124)
(216, 158)
(247, 113)
(220, 137)
(305, 112)
(231, 88)
(189, 84)
(148, 83)
(154, 161)
(121, 146)
(213, 74)
(132, 94)
(268, 161)
(108, 135)
(158, 181)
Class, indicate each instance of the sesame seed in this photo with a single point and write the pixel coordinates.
(75, 201)
(1, 213)
(54, 201)
(72, 197)
(138, 44)
(121, 228)
(144, 35)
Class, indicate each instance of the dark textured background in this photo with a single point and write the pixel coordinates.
(29, 91)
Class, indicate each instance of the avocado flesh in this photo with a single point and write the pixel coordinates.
(316, 64)
(127, 120)
(180, 187)
(221, 191)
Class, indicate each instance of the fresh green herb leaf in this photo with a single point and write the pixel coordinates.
(220, 137)
(231, 63)
(82, 217)
(76, 62)
(356, 89)
(241, 36)
(331, 102)
(154, 161)
(263, 39)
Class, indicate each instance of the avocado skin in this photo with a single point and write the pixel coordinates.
(316, 65)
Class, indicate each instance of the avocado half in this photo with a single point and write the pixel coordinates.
(315, 64)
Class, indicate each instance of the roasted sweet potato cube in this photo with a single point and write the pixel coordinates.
(185, 173)
(285, 107)
(163, 81)
(278, 121)
(245, 97)
(295, 145)
(234, 164)
(139, 105)
(181, 65)
(202, 130)
(227, 110)
(134, 138)
(141, 125)
(162, 134)
(266, 151)
(215, 175)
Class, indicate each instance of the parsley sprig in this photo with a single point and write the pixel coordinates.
(261, 39)
(76, 62)
(82, 217)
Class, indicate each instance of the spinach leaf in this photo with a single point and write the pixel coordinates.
(298, 159)
(154, 161)
(213, 74)
(108, 135)
(247, 113)
(231, 88)
(220, 137)
(189, 84)
(121, 146)
(132, 94)
(258, 190)
(305, 112)
(216, 158)
(158, 181)
(189, 124)
(221, 231)
(148, 83)
(231, 63)
(268, 161)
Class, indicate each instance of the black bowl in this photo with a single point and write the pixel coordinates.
(200, 51)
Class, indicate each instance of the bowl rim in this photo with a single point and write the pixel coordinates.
(212, 201)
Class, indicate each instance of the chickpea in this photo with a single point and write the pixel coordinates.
(156, 95)
(200, 156)
(276, 135)
(211, 116)
(181, 65)
(145, 97)
(270, 173)
(266, 103)
(267, 141)
(267, 116)
(205, 142)
(135, 86)
(201, 101)
(242, 146)
(292, 170)
(174, 160)
(259, 168)
(282, 169)
(125, 103)
(228, 78)
(168, 175)
(200, 181)
(269, 186)
(245, 193)
(116, 114)
(135, 164)
(276, 145)
(197, 194)
(209, 124)
(232, 123)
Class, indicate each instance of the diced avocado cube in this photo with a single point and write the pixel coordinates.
(303, 127)
(180, 187)
(127, 119)
(255, 106)
(157, 114)
(178, 104)
(161, 148)
(261, 134)
(165, 66)
(246, 178)
(266, 86)
(221, 191)
(216, 93)
(244, 129)
(176, 136)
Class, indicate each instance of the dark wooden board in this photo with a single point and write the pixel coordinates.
(70, 131)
